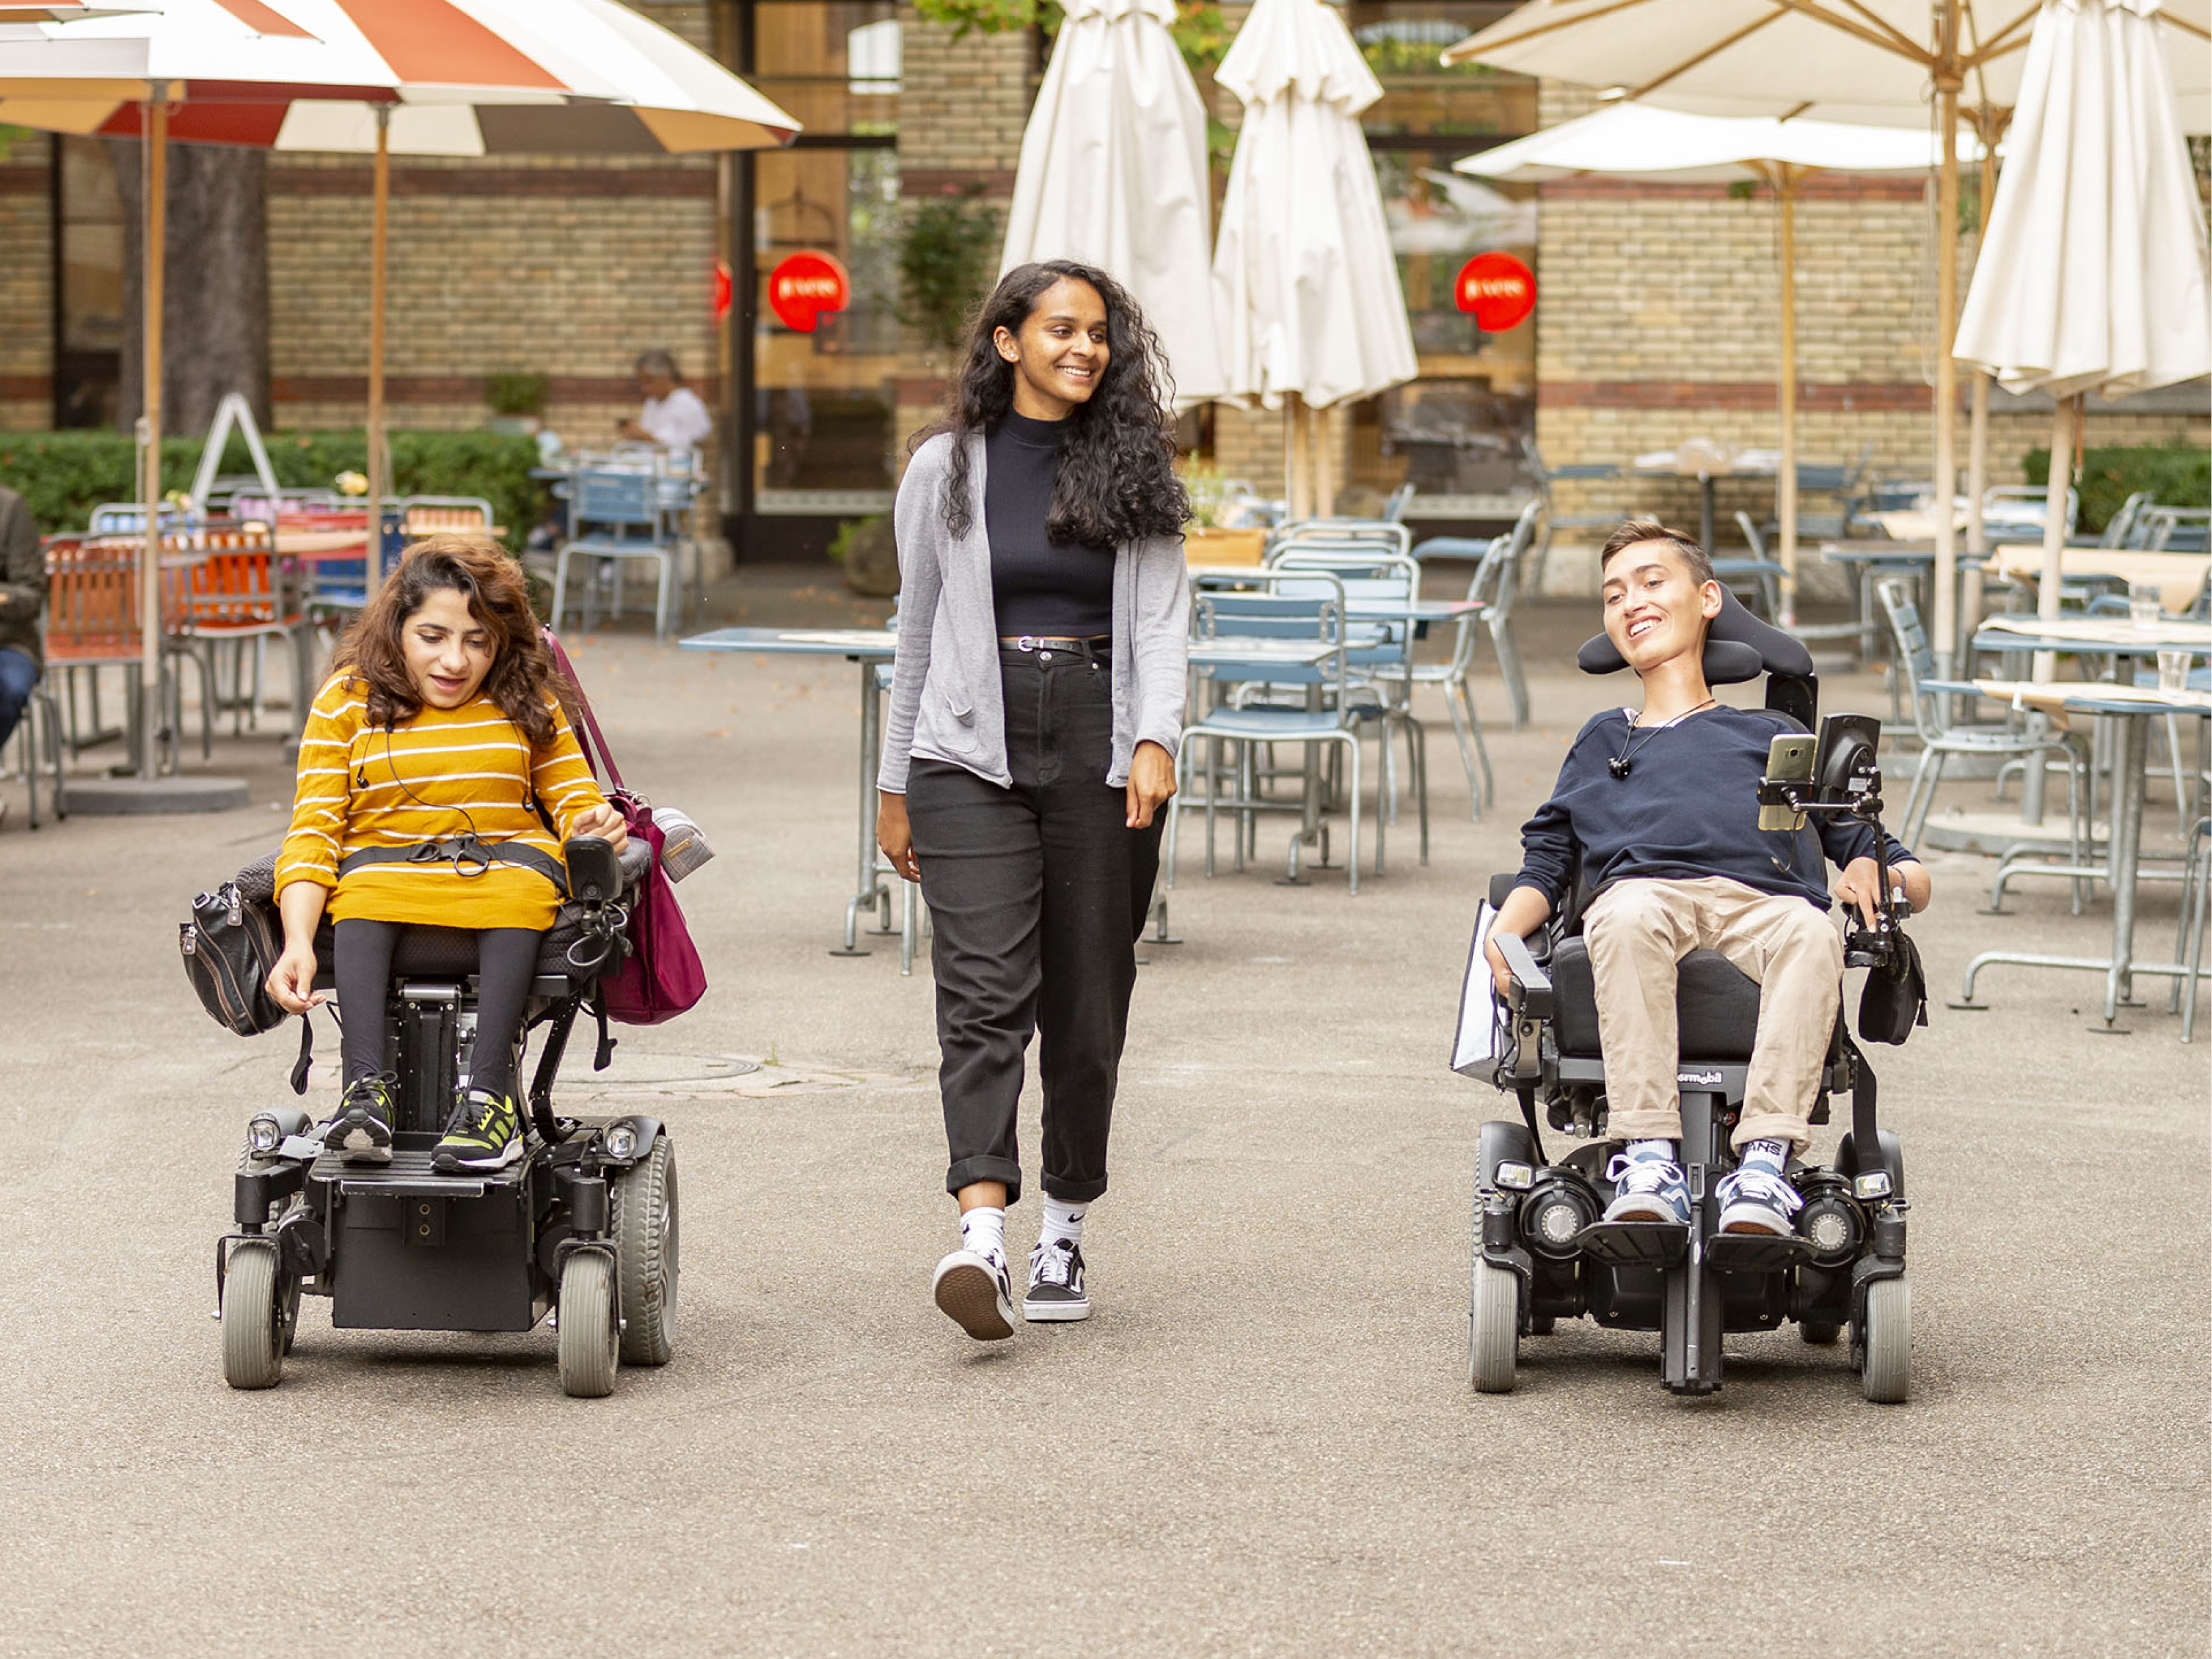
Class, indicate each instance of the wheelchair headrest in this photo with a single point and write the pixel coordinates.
(1738, 647)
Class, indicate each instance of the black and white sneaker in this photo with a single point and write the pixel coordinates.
(976, 1293)
(1056, 1289)
(361, 1131)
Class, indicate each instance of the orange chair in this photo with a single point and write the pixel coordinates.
(237, 590)
(92, 623)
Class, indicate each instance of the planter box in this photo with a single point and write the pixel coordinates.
(1225, 546)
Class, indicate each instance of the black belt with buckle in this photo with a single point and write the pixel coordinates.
(1094, 650)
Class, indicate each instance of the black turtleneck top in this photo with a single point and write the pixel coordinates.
(1063, 589)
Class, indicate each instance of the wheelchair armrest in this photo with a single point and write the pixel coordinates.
(1531, 993)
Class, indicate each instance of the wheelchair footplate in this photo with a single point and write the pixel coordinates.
(1658, 1244)
(1755, 1253)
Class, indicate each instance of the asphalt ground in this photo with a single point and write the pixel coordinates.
(1263, 1441)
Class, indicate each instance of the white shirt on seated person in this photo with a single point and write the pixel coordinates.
(672, 415)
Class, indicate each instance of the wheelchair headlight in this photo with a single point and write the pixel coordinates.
(263, 1135)
(622, 1140)
(1875, 1185)
(1553, 1216)
(1516, 1177)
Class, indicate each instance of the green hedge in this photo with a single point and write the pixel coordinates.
(2177, 475)
(64, 475)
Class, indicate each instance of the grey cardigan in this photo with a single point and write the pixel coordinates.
(945, 701)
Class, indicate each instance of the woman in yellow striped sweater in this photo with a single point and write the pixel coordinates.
(444, 716)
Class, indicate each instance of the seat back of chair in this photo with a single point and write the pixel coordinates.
(2122, 525)
(92, 601)
(624, 503)
(1339, 532)
(1382, 578)
(1247, 604)
(1915, 660)
(234, 583)
(428, 515)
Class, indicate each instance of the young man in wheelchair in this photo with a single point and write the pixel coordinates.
(1661, 805)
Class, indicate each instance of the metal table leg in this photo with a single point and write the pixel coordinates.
(869, 892)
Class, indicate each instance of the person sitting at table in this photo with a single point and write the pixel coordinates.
(22, 597)
(1037, 702)
(1661, 805)
(672, 417)
(444, 716)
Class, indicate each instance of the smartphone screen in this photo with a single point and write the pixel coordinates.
(1789, 760)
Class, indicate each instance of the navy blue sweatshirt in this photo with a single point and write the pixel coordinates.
(1688, 808)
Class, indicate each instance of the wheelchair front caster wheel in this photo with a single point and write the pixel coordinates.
(1885, 1343)
(1494, 1328)
(1542, 1324)
(252, 1332)
(588, 1348)
(1815, 1334)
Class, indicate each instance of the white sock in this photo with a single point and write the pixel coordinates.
(983, 1231)
(1652, 1149)
(1062, 1221)
(1773, 1156)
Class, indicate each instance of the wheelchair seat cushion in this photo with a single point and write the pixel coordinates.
(1717, 1005)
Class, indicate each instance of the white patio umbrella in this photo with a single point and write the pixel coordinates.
(1113, 173)
(1305, 289)
(1669, 147)
(1888, 62)
(2092, 275)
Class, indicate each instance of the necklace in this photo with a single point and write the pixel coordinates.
(1619, 764)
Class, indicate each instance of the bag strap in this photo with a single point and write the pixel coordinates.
(463, 851)
(594, 741)
(307, 1055)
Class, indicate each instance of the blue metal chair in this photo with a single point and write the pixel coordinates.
(617, 517)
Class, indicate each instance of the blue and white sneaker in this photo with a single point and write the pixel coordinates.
(1754, 1199)
(1651, 1188)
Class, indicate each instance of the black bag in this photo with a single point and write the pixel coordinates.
(1895, 1000)
(229, 946)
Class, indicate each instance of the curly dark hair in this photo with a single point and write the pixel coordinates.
(477, 567)
(1117, 480)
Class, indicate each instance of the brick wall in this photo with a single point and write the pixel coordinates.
(25, 289)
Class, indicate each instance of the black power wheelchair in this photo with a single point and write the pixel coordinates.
(1540, 1252)
(584, 1224)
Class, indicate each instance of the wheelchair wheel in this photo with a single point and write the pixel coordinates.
(644, 1226)
(1885, 1344)
(1493, 1328)
(588, 1349)
(253, 1339)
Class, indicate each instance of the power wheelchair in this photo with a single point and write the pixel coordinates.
(583, 1224)
(1541, 1253)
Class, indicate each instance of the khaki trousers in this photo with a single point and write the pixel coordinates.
(1638, 930)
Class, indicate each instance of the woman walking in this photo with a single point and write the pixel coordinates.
(1035, 706)
(443, 717)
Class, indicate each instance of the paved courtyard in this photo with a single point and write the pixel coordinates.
(1263, 1444)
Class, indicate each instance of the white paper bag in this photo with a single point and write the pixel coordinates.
(1476, 1047)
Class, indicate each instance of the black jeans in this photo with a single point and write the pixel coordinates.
(506, 962)
(1036, 895)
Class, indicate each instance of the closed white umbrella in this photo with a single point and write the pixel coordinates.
(1113, 173)
(1669, 147)
(2092, 275)
(1305, 289)
(1876, 62)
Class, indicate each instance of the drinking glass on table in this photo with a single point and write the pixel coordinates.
(2145, 609)
(2173, 670)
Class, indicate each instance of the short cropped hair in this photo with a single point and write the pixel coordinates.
(659, 362)
(1634, 531)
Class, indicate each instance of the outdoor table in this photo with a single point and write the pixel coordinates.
(2178, 577)
(1707, 463)
(2132, 709)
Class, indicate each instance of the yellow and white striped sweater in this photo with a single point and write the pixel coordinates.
(443, 773)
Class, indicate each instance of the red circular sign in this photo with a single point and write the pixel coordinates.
(1498, 289)
(804, 286)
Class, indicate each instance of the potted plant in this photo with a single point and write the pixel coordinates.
(516, 400)
(1205, 540)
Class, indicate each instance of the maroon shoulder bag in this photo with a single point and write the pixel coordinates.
(661, 977)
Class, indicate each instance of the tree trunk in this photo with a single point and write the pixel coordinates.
(216, 303)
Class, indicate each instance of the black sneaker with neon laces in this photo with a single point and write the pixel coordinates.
(361, 1131)
(1056, 1289)
(485, 1134)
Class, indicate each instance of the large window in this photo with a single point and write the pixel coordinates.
(823, 402)
(88, 224)
(1455, 433)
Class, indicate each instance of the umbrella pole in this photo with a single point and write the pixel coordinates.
(1293, 469)
(2065, 415)
(1324, 466)
(156, 183)
(1986, 125)
(380, 213)
(1946, 606)
(1786, 505)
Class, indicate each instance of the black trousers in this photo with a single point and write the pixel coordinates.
(1036, 895)
(507, 961)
